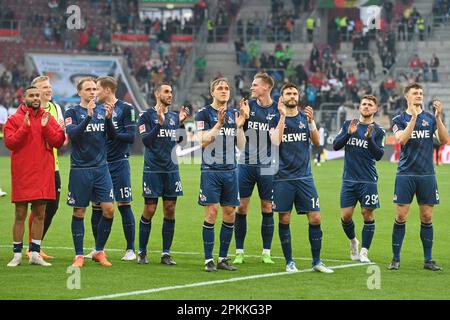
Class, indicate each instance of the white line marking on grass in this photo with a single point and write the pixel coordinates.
(180, 252)
(208, 283)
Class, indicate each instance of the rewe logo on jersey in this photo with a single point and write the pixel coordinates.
(95, 127)
(167, 133)
(420, 134)
(358, 143)
(295, 137)
(227, 131)
(258, 126)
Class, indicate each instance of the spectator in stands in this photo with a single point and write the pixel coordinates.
(434, 64)
(200, 66)
(425, 72)
(302, 77)
(410, 27)
(310, 25)
(48, 32)
(389, 85)
(238, 44)
(415, 65)
(361, 66)
(370, 64)
(311, 95)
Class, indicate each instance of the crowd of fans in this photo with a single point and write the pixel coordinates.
(278, 25)
(129, 21)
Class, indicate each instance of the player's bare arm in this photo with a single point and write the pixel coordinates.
(402, 136)
(313, 132)
(184, 114)
(276, 136)
(441, 132)
(208, 137)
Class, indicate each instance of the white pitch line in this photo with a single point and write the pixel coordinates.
(208, 283)
(181, 252)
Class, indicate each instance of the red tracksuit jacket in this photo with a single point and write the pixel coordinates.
(32, 161)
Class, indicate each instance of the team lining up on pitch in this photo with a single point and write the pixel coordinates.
(274, 137)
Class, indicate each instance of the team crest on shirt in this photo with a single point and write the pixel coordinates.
(270, 116)
(100, 117)
(230, 121)
(171, 122)
(425, 123)
(301, 125)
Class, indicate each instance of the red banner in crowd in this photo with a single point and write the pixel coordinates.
(9, 33)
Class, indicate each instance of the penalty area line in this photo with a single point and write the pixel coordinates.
(209, 283)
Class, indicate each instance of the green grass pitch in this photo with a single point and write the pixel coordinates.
(187, 280)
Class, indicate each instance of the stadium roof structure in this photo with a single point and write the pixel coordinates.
(332, 4)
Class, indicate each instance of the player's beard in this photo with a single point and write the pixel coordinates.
(291, 106)
(165, 102)
(31, 105)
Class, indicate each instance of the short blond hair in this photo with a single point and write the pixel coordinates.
(39, 79)
(265, 78)
(216, 82)
(83, 80)
(108, 82)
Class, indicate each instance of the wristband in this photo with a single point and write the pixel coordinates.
(312, 126)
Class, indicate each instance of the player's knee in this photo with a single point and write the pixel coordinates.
(228, 216)
(314, 219)
(266, 206)
(79, 213)
(169, 212)
(346, 216)
(367, 215)
(38, 216)
(211, 214)
(426, 220)
(20, 217)
(108, 211)
(243, 208)
(284, 218)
